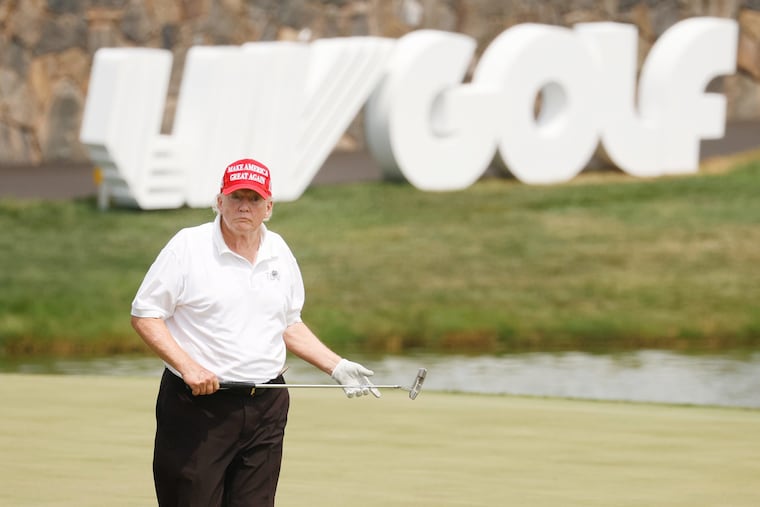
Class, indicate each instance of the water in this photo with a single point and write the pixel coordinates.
(731, 379)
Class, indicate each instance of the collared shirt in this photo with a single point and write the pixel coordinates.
(228, 314)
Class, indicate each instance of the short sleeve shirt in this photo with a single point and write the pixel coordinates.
(228, 314)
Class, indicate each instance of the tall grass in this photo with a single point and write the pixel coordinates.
(601, 262)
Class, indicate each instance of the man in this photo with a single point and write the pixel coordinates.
(222, 302)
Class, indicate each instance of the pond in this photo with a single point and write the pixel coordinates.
(726, 379)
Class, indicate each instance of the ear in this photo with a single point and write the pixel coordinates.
(268, 212)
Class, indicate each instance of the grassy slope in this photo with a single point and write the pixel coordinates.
(604, 261)
(86, 441)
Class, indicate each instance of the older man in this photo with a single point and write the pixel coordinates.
(222, 302)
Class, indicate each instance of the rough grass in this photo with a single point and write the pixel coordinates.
(84, 441)
(605, 261)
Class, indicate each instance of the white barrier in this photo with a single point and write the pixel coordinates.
(287, 104)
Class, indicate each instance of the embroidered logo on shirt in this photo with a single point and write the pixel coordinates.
(273, 275)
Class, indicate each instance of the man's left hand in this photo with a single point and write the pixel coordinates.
(355, 377)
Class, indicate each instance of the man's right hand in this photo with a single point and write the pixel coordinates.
(156, 335)
(200, 381)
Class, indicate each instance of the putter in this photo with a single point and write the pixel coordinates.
(413, 390)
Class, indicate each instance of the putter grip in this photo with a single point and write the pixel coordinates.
(237, 385)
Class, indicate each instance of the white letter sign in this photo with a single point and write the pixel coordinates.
(541, 97)
(674, 113)
(522, 62)
(418, 128)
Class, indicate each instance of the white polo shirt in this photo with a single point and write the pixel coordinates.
(226, 313)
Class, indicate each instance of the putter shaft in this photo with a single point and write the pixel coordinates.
(249, 385)
(413, 390)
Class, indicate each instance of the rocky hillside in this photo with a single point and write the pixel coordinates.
(46, 46)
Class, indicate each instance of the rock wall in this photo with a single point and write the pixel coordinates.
(46, 46)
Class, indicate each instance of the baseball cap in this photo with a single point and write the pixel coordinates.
(247, 173)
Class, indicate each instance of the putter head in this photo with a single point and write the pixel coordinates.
(417, 385)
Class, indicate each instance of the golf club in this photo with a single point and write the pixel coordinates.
(413, 390)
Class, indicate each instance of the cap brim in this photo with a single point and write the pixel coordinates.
(247, 185)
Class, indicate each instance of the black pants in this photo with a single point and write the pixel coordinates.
(223, 449)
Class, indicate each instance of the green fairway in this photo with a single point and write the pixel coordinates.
(87, 441)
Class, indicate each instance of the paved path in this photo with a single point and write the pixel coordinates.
(68, 180)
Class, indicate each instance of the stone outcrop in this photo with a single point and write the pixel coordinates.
(47, 46)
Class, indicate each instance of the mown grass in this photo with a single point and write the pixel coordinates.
(81, 441)
(605, 261)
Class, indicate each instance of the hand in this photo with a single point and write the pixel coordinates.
(355, 375)
(200, 381)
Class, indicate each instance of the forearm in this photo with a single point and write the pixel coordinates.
(156, 335)
(302, 342)
(160, 340)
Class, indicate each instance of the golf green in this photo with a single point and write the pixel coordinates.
(87, 441)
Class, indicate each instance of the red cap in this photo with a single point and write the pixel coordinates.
(250, 174)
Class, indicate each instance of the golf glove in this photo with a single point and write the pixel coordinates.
(352, 374)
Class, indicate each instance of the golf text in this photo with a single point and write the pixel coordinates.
(544, 98)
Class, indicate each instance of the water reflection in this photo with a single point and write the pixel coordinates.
(646, 376)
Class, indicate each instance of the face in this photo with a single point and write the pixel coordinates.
(243, 210)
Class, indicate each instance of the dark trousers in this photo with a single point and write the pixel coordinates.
(223, 449)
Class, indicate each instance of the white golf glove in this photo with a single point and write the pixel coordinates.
(352, 374)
